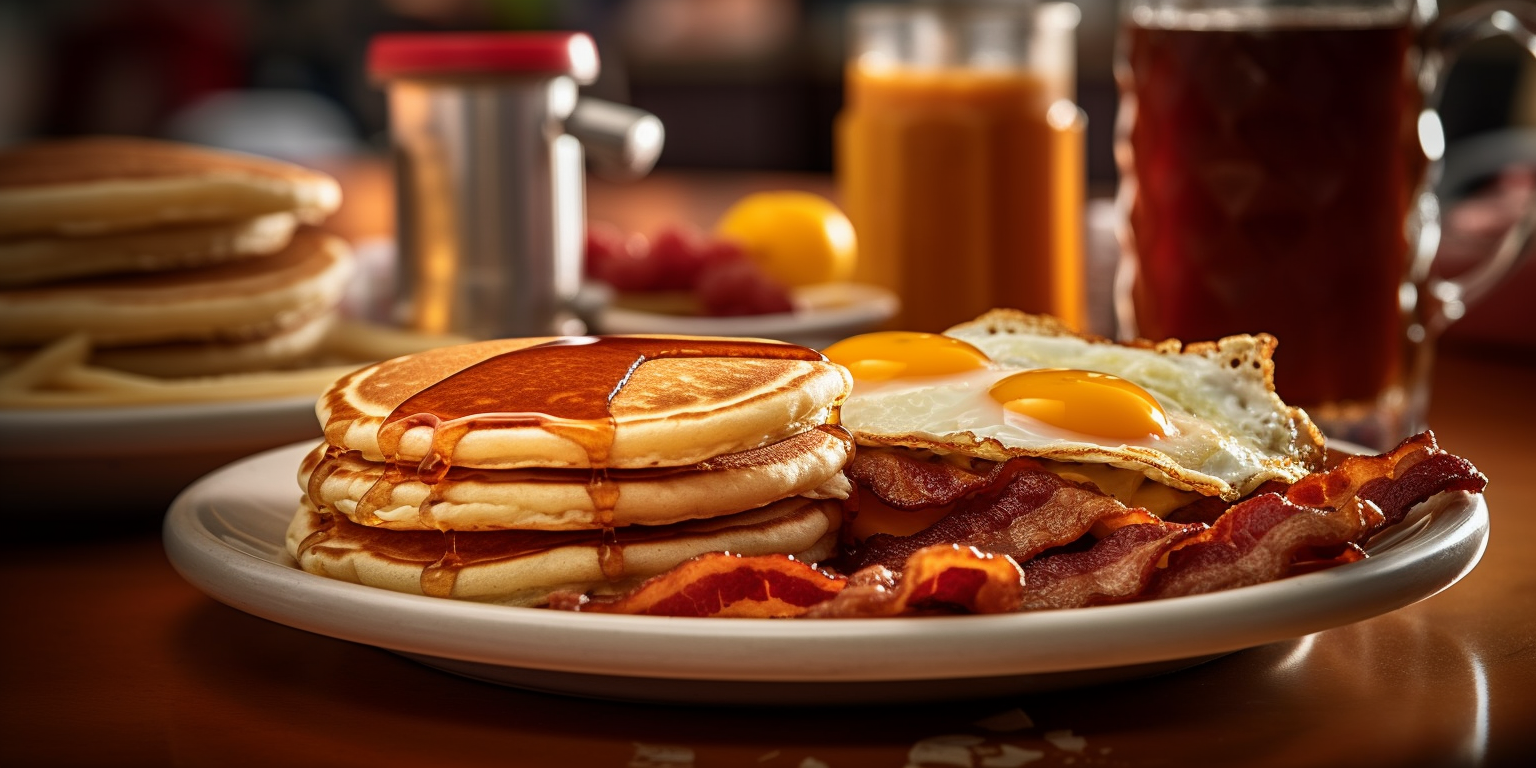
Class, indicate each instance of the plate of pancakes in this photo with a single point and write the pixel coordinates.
(163, 311)
(458, 491)
(175, 260)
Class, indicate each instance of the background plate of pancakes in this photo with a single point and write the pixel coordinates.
(176, 261)
(225, 535)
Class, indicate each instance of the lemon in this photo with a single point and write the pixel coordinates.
(796, 238)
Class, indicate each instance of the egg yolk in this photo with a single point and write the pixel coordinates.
(1083, 401)
(891, 354)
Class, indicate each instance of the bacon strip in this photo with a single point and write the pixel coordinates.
(1115, 569)
(1437, 473)
(906, 481)
(1395, 481)
(1323, 558)
(1209, 509)
(1028, 511)
(1104, 526)
(1343, 481)
(1205, 510)
(1318, 522)
(938, 579)
(1256, 541)
(722, 584)
(956, 579)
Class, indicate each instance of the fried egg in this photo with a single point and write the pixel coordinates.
(1202, 418)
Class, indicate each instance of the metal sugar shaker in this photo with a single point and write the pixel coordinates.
(488, 132)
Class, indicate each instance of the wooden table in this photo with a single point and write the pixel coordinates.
(109, 658)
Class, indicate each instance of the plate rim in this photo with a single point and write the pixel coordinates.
(874, 304)
(176, 427)
(819, 650)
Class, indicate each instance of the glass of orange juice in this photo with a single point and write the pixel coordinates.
(960, 158)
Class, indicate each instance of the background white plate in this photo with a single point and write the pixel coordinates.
(823, 314)
(225, 535)
(139, 457)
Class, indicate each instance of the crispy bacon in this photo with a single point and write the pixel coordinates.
(870, 592)
(1079, 547)
(1204, 510)
(1026, 511)
(1115, 569)
(906, 481)
(943, 579)
(1337, 485)
(722, 584)
(1323, 558)
(1436, 473)
(957, 579)
(1394, 481)
(1345, 479)
(938, 579)
(1104, 526)
(1318, 522)
(1208, 508)
(1256, 541)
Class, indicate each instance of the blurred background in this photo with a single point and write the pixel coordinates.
(739, 84)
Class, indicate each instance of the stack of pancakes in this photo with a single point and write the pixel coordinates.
(508, 470)
(175, 260)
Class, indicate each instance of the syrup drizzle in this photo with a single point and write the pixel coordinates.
(564, 387)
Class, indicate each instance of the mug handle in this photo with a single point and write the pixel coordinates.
(1444, 39)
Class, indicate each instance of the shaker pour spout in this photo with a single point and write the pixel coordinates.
(622, 142)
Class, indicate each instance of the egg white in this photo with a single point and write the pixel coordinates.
(1230, 432)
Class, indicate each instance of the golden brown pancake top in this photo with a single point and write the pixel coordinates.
(97, 159)
(523, 402)
(683, 382)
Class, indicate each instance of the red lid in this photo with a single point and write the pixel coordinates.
(471, 53)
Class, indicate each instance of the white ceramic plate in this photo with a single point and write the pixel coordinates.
(140, 457)
(823, 314)
(225, 535)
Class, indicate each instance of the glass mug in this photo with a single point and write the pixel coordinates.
(1276, 164)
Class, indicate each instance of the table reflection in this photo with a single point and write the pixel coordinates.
(1396, 690)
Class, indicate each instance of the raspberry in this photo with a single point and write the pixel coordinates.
(720, 252)
(631, 268)
(678, 251)
(604, 243)
(734, 288)
(680, 257)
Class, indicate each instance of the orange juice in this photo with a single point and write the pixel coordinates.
(965, 188)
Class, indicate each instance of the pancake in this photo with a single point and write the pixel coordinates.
(289, 347)
(49, 259)
(809, 463)
(239, 301)
(669, 412)
(507, 470)
(91, 186)
(523, 568)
